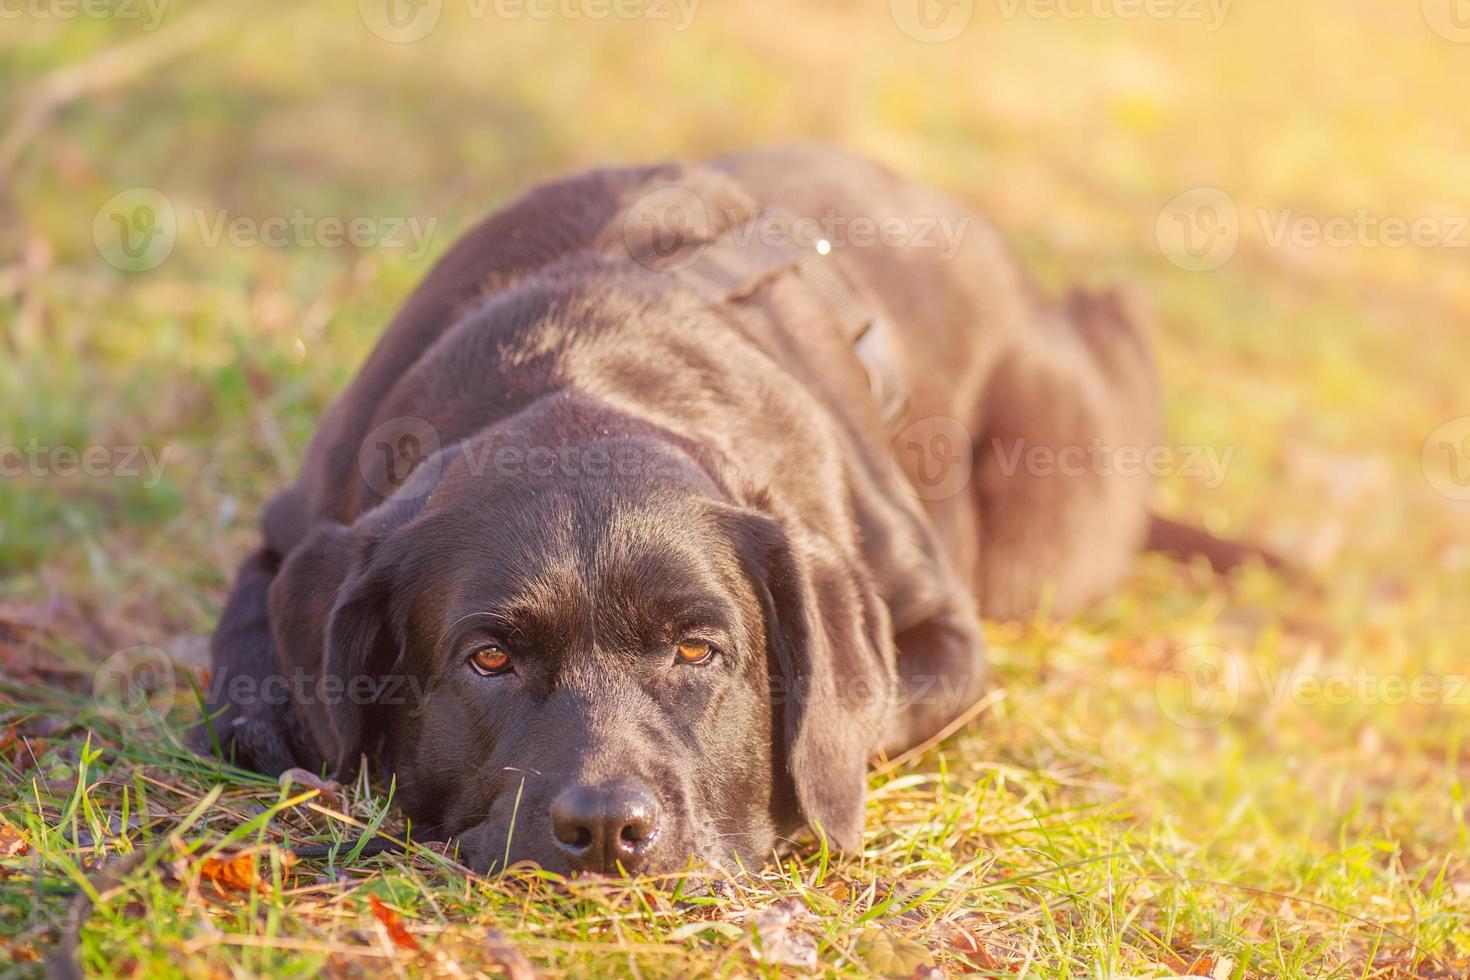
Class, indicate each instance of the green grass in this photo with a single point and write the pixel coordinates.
(1074, 830)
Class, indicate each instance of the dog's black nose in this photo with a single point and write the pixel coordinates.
(601, 827)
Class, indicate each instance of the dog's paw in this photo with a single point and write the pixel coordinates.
(261, 743)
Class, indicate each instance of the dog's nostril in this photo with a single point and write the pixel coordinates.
(573, 816)
(639, 824)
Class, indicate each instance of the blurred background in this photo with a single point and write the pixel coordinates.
(208, 212)
(256, 136)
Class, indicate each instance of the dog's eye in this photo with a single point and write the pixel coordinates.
(489, 660)
(695, 652)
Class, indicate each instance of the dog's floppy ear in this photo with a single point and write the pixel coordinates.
(362, 647)
(831, 661)
(330, 612)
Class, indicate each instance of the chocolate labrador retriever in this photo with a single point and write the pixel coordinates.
(672, 496)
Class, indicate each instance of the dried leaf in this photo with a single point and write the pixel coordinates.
(22, 754)
(19, 952)
(240, 870)
(12, 842)
(1202, 967)
(837, 889)
(393, 922)
(504, 954)
(963, 941)
(776, 944)
(890, 955)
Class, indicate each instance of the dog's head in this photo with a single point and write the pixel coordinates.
(592, 666)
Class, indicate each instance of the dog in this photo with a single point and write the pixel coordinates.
(672, 497)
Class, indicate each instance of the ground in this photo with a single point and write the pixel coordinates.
(1249, 777)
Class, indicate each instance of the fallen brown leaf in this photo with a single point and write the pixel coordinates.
(240, 870)
(837, 889)
(888, 954)
(1202, 967)
(393, 922)
(23, 752)
(12, 842)
(965, 943)
(20, 952)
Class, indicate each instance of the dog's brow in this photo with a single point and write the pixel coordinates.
(490, 615)
(499, 623)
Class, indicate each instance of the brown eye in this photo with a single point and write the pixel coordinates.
(695, 652)
(490, 660)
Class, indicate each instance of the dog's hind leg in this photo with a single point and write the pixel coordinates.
(252, 720)
(1069, 417)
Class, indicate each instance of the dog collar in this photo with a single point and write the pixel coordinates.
(736, 265)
